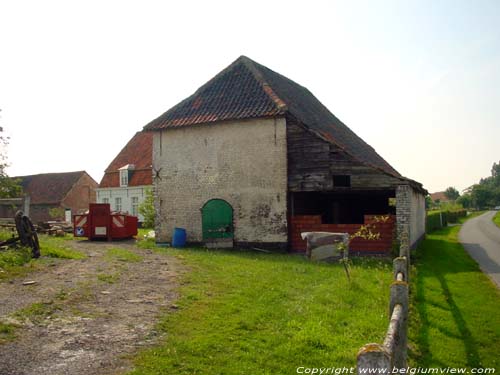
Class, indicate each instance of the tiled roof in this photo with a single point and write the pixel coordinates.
(246, 89)
(139, 152)
(49, 188)
(439, 195)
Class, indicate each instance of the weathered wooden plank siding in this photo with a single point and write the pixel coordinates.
(312, 163)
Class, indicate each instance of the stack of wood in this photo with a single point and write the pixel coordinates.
(55, 228)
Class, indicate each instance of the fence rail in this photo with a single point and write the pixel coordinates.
(392, 354)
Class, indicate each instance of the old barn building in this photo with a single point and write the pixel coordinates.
(253, 158)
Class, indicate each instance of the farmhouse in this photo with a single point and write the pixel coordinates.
(56, 196)
(128, 176)
(252, 159)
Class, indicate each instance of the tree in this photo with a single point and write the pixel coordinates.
(147, 210)
(481, 196)
(487, 193)
(465, 200)
(9, 188)
(451, 193)
(428, 202)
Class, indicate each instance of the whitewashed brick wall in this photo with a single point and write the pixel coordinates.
(410, 211)
(242, 162)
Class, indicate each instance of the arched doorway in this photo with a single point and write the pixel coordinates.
(217, 221)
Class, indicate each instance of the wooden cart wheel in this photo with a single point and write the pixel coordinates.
(27, 233)
(32, 237)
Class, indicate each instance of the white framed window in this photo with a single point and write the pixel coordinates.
(118, 204)
(135, 206)
(105, 200)
(124, 177)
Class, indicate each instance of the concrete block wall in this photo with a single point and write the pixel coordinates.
(242, 162)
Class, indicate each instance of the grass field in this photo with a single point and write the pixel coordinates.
(253, 313)
(455, 307)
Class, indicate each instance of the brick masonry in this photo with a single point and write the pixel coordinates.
(312, 223)
(242, 162)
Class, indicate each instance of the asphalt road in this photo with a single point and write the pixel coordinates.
(481, 238)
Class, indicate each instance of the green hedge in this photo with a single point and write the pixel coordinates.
(434, 221)
(453, 216)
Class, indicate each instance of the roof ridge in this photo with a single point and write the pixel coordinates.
(49, 173)
(254, 68)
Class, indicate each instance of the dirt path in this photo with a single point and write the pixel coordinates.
(86, 316)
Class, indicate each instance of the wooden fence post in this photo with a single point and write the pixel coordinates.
(399, 296)
(374, 356)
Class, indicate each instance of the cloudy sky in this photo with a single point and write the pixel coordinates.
(418, 80)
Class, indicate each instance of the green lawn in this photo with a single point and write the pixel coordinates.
(254, 313)
(455, 307)
(496, 219)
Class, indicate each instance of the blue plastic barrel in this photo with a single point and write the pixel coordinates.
(179, 238)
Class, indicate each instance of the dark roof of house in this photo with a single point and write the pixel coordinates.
(139, 152)
(49, 188)
(246, 89)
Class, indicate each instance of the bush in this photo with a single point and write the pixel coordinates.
(453, 216)
(434, 219)
(147, 210)
(439, 219)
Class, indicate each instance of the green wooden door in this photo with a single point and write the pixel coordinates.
(217, 219)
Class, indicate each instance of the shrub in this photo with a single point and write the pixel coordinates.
(439, 219)
(434, 220)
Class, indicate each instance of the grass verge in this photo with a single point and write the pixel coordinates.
(496, 219)
(454, 318)
(17, 261)
(252, 313)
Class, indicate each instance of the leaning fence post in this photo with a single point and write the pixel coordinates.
(374, 357)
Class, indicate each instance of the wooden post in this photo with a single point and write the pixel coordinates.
(374, 356)
(399, 265)
(399, 296)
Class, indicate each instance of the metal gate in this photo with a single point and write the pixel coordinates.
(217, 220)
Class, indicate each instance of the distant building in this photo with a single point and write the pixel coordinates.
(129, 176)
(439, 197)
(56, 196)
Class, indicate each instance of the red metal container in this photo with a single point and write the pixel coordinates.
(101, 223)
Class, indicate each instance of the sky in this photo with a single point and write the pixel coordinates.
(417, 80)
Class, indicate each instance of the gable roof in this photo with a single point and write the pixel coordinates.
(246, 89)
(49, 188)
(137, 152)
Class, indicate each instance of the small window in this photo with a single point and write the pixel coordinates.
(118, 204)
(124, 177)
(342, 181)
(135, 206)
(105, 200)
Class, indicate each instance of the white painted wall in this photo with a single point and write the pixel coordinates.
(126, 194)
(242, 162)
